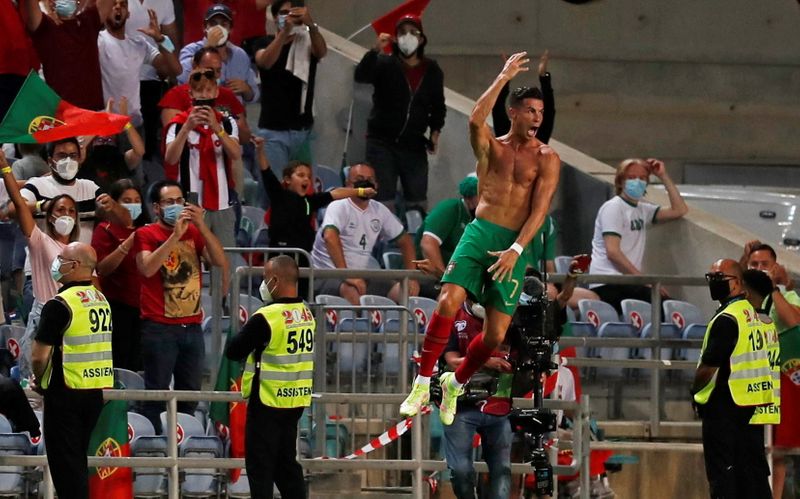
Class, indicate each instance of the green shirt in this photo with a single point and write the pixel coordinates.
(446, 222)
(543, 244)
(790, 296)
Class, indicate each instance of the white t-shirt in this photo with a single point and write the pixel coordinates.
(165, 12)
(359, 230)
(83, 191)
(630, 222)
(195, 184)
(120, 62)
(564, 390)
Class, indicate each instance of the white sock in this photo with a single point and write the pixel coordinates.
(422, 380)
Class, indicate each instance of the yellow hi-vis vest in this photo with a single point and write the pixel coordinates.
(286, 365)
(771, 414)
(750, 381)
(86, 346)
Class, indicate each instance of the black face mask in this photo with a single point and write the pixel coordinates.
(719, 290)
(366, 184)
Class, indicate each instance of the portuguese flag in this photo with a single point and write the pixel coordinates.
(230, 418)
(387, 22)
(39, 115)
(110, 439)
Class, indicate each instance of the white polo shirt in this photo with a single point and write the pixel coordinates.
(358, 229)
(619, 217)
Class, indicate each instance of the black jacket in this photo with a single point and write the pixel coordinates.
(398, 116)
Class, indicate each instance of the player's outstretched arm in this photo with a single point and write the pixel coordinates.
(479, 133)
(543, 191)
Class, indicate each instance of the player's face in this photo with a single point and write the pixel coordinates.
(761, 260)
(527, 117)
(299, 181)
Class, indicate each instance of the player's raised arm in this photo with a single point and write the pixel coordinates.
(479, 133)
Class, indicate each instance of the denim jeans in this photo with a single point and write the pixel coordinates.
(283, 146)
(496, 436)
(171, 350)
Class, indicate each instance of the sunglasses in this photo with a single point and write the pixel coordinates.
(719, 276)
(208, 74)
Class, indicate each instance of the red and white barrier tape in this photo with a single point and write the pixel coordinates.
(388, 436)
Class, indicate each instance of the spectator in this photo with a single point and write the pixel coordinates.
(67, 47)
(119, 277)
(408, 101)
(109, 159)
(502, 124)
(236, 73)
(122, 57)
(168, 256)
(179, 97)
(151, 87)
(60, 229)
(72, 362)
(764, 297)
(248, 15)
(201, 143)
(620, 228)
(294, 211)
(760, 256)
(31, 164)
(350, 229)
(288, 66)
(17, 55)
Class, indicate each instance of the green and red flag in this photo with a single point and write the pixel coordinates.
(39, 115)
(230, 418)
(110, 439)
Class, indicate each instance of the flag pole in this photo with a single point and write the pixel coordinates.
(348, 130)
(359, 31)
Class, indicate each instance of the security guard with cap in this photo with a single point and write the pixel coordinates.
(278, 342)
(733, 378)
(72, 363)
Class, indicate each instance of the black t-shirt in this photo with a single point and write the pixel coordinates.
(56, 317)
(290, 221)
(281, 93)
(721, 341)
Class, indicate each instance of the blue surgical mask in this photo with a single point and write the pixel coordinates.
(635, 188)
(66, 8)
(170, 214)
(55, 270)
(281, 20)
(135, 209)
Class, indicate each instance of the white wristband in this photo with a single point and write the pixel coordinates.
(517, 247)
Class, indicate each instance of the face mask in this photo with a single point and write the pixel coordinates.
(169, 214)
(281, 21)
(224, 39)
(55, 270)
(366, 184)
(408, 44)
(66, 8)
(66, 168)
(719, 290)
(135, 209)
(635, 187)
(64, 225)
(266, 294)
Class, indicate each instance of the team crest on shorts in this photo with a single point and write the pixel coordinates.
(375, 225)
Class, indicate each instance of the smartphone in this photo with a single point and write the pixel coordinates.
(583, 263)
(192, 198)
(203, 102)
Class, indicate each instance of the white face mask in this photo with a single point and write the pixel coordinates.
(408, 44)
(266, 293)
(225, 34)
(64, 225)
(66, 168)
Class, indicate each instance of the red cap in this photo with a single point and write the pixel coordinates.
(411, 19)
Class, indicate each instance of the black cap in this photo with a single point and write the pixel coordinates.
(219, 10)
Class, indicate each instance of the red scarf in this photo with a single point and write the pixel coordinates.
(208, 162)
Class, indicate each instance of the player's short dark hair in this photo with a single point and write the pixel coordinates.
(198, 56)
(155, 189)
(757, 281)
(51, 146)
(767, 248)
(518, 95)
(293, 165)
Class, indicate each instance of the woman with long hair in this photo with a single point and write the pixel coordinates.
(119, 277)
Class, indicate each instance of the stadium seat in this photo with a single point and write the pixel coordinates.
(193, 442)
(128, 380)
(207, 326)
(683, 314)
(423, 309)
(5, 425)
(245, 232)
(413, 221)
(562, 264)
(326, 178)
(333, 316)
(638, 313)
(392, 260)
(351, 357)
(248, 305)
(147, 482)
(255, 214)
(261, 238)
(614, 330)
(377, 318)
(240, 488)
